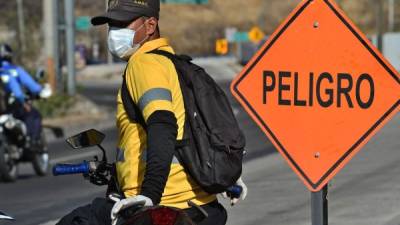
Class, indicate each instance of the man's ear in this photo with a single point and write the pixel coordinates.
(151, 25)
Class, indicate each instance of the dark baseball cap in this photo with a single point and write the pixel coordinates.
(128, 10)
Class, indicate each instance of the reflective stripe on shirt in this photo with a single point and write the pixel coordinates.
(154, 95)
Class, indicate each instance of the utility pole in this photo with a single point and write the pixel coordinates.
(21, 26)
(379, 23)
(109, 56)
(391, 15)
(70, 36)
(263, 15)
(51, 40)
(58, 77)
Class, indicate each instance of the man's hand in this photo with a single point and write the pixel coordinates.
(243, 195)
(119, 205)
(27, 107)
(46, 91)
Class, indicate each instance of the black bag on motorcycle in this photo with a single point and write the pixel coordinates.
(213, 144)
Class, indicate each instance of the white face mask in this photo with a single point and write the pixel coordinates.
(120, 42)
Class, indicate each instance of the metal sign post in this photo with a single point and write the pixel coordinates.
(319, 207)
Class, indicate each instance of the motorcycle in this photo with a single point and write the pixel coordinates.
(100, 172)
(16, 147)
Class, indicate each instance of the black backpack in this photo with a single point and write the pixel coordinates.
(213, 145)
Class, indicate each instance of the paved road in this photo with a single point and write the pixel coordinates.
(34, 200)
(367, 192)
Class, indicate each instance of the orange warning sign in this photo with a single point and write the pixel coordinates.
(256, 34)
(222, 46)
(319, 90)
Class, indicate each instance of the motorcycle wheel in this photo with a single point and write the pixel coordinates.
(8, 167)
(40, 160)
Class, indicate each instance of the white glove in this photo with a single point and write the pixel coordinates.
(243, 195)
(46, 91)
(126, 203)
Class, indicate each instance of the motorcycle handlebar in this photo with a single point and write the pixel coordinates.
(66, 169)
(83, 168)
(234, 191)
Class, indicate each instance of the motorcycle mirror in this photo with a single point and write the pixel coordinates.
(4, 216)
(86, 139)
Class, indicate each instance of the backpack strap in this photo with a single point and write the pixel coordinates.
(163, 53)
(130, 107)
(185, 141)
(170, 55)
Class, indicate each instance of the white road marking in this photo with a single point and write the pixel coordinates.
(52, 222)
(3, 217)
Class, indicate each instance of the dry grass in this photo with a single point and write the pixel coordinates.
(193, 29)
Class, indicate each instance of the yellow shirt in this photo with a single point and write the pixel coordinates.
(153, 84)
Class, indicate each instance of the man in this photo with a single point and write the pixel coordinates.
(148, 172)
(14, 79)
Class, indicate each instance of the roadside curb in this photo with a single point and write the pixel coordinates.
(102, 121)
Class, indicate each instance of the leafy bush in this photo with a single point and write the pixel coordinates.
(57, 105)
